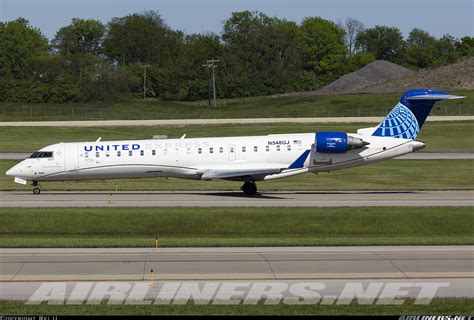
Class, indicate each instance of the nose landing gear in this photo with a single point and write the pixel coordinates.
(249, 188)
(36, 189)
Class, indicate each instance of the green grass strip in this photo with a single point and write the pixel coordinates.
(438, 306)
(137, 227)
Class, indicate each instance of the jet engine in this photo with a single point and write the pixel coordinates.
(337, 142)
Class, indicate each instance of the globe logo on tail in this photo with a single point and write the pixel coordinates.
(400, 123)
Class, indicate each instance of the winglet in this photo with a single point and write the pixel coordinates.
(299, 163)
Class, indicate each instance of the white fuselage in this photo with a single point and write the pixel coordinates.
(192, 158)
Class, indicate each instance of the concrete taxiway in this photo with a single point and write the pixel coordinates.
(328, 289)
(275, 263)
(237, 199)
(449, 268)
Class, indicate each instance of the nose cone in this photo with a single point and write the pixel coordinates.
(417, 145)
(10, 172)
(14, 171)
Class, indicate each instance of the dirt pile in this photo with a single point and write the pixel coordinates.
(456, 76)
(374, 73)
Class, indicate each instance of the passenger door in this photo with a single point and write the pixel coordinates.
(70, 156)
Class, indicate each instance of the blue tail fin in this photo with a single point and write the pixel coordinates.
(409, 115)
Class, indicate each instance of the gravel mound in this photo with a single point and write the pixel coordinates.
(374, 73)
(456, 76)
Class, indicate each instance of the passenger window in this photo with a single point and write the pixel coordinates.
(142, 152)
(86, 155)
(288, 147)
(267, 148)
(243, 149)
(211, 150)
(130, 153)
(255, 149)
(199, 150)
(97, 154)
(118, 154)
(153, 152)
(221, 150)
(231, 149)
(278, 147)
(107, 155)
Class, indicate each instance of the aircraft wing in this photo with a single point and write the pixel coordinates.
(256, 171)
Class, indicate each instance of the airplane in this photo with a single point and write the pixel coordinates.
(247, 159)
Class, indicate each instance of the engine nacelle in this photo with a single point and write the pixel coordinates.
(337, 142)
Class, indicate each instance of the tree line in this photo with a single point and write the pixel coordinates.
(258, 55)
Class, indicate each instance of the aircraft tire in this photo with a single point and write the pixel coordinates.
(249, 188)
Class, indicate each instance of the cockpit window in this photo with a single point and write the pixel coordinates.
(42, 154)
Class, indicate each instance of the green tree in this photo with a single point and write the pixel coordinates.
(262, 55)
(323, 48)
(466, 46)
(245, 53)
(80, 37)
(141, 38)
(384, 43)
(446, 50)
(20, 45)
(198, 49)
(421, 46)
(359, 60)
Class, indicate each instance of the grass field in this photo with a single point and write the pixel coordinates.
(438, 306)
(404, 174)
(267, 106)
(439, 136)
(183, 227)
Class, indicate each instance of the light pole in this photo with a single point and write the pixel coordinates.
(211, 64)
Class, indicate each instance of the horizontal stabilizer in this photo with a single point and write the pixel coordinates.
(366, 131)
(435, 97)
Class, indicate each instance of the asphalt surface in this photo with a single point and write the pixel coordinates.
(410, 156)
(237, 199)
(271, 263)
(102, 123)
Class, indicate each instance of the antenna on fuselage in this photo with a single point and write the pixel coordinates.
(98, 140)
(183, 136)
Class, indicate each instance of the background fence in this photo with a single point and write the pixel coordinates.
(28, 113)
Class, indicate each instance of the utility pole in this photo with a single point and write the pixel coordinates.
(211, 64)
(144, 80)
(208, 83)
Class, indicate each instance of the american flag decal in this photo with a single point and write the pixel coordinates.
(296, 141)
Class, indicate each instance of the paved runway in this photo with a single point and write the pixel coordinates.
(236, 199)
(273, 263)
(103, 123)
(410, 156)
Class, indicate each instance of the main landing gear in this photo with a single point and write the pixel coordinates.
(36, 189)
(249, 188)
